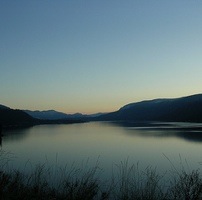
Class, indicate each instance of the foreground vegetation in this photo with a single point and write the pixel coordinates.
(127, 183)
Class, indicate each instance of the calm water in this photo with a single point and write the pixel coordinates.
(107, 143)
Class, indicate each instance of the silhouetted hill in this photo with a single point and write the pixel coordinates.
(10, 118)
(185, 109)
(3, 107)
(14, 118)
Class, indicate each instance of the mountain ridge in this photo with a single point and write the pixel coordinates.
(182, 109)
(56, 115)
(185, 109)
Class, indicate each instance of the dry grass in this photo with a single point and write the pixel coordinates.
(129, 182)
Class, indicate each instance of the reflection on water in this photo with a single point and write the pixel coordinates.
(16, 134)
(188, 131)
(113, 142)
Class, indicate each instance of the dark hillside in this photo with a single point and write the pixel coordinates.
(10, 118)
(13, 118)
(185, 109)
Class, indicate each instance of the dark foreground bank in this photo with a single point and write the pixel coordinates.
(128, 183)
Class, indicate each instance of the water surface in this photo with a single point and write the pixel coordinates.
(107, 143)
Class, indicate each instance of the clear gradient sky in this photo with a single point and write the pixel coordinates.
(97, 55)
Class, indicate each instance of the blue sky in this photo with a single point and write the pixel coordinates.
(96, 56)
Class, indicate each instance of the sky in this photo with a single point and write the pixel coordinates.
(93, 56)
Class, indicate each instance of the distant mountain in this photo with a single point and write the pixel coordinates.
(47, 115)
(55, 115)
(185, 109)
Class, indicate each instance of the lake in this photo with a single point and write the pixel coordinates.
(159, 145)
